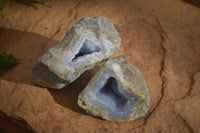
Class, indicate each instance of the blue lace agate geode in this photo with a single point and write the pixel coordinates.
(117, 92)
(88, 42)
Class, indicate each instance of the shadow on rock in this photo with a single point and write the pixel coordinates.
(193, 2)
(11, 125)
(68, 96)
(28, 47)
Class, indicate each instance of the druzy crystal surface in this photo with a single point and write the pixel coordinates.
(117, 92)
(90, 41)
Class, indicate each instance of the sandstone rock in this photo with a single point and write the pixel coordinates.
(28, 33)
(88, 42)
(40, 112)
(188, 110)
(195, 90)
(117, 92)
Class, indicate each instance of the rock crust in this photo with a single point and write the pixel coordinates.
(117, 92)
(87, 43)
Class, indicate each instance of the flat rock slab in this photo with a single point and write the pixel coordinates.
(160, 37)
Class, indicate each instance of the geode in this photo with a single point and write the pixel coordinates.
(90, 41)
(117, 92)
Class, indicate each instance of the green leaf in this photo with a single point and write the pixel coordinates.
(7, 61)
(38, 2)
(3, 4)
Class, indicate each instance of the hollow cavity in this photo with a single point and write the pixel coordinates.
(111, 96)
(87, 48)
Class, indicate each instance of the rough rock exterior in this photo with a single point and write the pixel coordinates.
(88, 42)
(117, 92)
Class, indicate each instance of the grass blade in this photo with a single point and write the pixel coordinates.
(38, 2)
(3, 4)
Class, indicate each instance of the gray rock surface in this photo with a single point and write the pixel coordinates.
(117, 92)
(88, 42)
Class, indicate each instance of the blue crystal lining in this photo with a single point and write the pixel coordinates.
(109, 94)
(88, 47)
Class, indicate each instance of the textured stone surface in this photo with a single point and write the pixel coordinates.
(88, 42)
(117, 92)
(160, 37)
(188, 110)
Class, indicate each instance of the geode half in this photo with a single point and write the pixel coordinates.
(117, 92)
(90, 41)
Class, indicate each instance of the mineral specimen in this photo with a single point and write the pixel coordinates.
(88, 42)
(117, 92)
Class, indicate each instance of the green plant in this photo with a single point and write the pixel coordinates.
(4, 3)
(7, 61)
